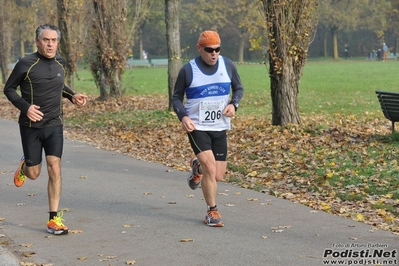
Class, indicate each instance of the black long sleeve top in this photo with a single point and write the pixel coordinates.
(41, 82)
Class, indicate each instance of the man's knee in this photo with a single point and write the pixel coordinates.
(32, 172)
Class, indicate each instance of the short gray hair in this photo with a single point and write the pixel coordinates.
(47, 26)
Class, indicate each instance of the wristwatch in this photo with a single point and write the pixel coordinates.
(235, 104)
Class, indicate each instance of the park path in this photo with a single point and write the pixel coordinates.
(120, 209)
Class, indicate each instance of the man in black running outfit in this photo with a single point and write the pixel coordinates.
(207, 82)
(40, 77)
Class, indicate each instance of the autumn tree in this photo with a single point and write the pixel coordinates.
(290, 25)
(232, 18)
(112, 31)
(350, 15)
(5, 36)
(172, 10)
(71, 21)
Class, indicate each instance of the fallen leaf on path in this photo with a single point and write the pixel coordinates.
(127, 225)
(32, 195)
(252, 199)
(27, 263)
(264, 237)
(28, 254)
(26, 245)
(130, 262)
(2, 219)
(230, 205)
(147, 193)
(83, 258)
(186, 240)
(76, 231)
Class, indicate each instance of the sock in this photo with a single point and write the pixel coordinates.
(22, 169)
(52, 214)
(214, 208)
(198, 169)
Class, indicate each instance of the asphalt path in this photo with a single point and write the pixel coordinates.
(122, 211)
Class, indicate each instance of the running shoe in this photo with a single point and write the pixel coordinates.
(213, 218)
(19, 176)
(55, 226)
(194, 178)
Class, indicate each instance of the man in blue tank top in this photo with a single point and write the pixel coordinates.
(212, 89)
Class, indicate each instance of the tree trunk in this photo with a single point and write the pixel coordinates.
(325, 44)
(290, 26)
(241, 50)
(5, 38)
(284, 93)
(65, 41)
(173, 42)
(335, 45)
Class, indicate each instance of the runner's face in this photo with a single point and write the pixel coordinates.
(47, 43)
(209, 58)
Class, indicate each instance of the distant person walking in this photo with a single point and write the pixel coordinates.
(202, 102)
(40, 77)
(384, 52)
(346, 51)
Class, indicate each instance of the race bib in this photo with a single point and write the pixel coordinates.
(210, 112)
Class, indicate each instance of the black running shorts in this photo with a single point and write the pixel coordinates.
(209, 140)
(34, 140)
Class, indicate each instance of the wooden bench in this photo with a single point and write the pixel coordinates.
(137, 63)
(389, 102)
(159, 62)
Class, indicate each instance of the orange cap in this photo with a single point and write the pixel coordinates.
(208, 38)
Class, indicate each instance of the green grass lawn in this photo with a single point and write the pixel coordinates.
(327, 87)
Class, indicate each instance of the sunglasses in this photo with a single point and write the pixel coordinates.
(211, 50)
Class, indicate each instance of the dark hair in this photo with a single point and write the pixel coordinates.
(47, 26)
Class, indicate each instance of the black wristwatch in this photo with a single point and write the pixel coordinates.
(234, 104)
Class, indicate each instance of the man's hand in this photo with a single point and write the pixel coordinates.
(79, 99)
(187, 124)
(229, 110)
(34, 113)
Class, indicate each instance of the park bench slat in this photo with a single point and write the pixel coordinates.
(389, 102)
